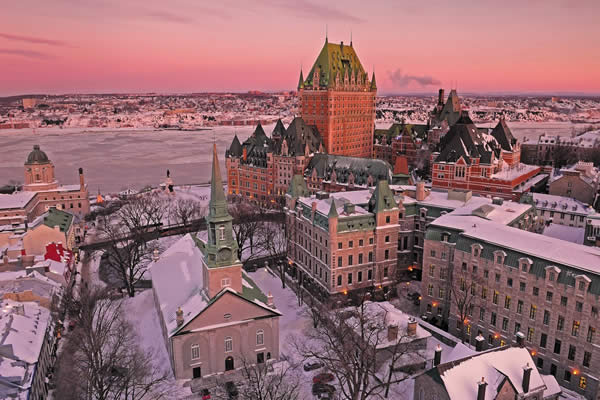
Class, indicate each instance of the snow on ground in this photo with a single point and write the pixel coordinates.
(141, 313)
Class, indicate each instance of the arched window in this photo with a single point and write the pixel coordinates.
(221, 232)
(228, 344)
(260, 337)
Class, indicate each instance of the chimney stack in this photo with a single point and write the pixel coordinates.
(437, 356)
(81, 179)
(526, 377)
(411, 327)
(520, 339)
(270, 302)
(420, 191)
(479, 340)
(179, 317)
(392, 333)
(441, 97)
(481, 386)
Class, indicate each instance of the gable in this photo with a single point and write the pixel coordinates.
(237, 308)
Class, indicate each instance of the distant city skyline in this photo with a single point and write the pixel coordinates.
(185, 46)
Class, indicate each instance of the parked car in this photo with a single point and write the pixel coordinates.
(312, 365)
(323, 377)
(320, 388)
(205, 394)
(232, 391)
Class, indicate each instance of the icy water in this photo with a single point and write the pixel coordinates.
(116, 159)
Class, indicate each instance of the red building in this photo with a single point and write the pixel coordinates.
(485, 163)
(338, 98)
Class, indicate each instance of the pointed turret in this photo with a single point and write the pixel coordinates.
(301, 81)
(235, 149)
(332, 210)
(382, 198)
(373, 82)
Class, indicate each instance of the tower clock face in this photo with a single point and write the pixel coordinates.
(224, 254)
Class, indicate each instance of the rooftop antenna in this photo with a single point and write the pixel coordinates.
(326, 33)
(350, 37)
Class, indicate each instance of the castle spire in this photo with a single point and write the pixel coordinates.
(373, 83)
(301, 80)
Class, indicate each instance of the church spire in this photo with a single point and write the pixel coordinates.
(218, 203)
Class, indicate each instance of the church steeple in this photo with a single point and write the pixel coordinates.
(221, 248)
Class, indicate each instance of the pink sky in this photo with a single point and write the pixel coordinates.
(67, 46)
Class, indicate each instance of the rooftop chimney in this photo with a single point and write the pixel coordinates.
(81, 179)
(441, 97)
(420, 191)
(411, 327)
(481, 386)
(179, 317)
(526, 377)
(437, 356)
(479, 340)
(392, 333)
(270, 302)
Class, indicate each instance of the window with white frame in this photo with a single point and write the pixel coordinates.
(260, 337)
(195, 352)
(225, 282)
(221, 232)
(459, 172)
(228, 344)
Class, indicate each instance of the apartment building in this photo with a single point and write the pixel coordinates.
(497, 283)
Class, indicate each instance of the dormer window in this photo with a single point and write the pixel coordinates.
(476, 250)
(499, 256)
(525, 264)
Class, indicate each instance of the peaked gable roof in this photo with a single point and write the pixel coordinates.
(333, 60)
(383, 198)
(503, 135)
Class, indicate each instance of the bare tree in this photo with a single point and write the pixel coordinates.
(247, 222)
(274, 244)
(186, 211)
(127, 253)
(464, 292)
(353, 344)
(101, 359)
(270, 381)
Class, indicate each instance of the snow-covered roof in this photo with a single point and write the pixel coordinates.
(461, 377)
(391, 316)
(571, 234)
(323, 205)
(177, 279)
(513, 172)
(561, 204)
(543, 247)
(23, 326)
(16, 200)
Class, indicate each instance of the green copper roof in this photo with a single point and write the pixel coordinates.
(301, 81)
(335, 59)
(58, 218)
(332, 210)
(373, 83)
(218, 203)
(383, 198)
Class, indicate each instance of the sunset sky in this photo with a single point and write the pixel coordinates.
(70, 46)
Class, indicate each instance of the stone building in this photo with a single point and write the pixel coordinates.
(339, 99)
(41, 192)
(485, 163)
(505, 373)
(214, 318)
(335, 245)
(580, 181)
(553, 149)
(497, 282)
(562, 210)
(408, 141)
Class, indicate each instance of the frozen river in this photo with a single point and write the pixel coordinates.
(117, 159)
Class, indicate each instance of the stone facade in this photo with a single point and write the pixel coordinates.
(494, 282)
(580, 182)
